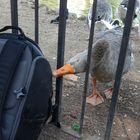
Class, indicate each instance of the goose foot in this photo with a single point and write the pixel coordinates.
(94, 99)
(108, 93)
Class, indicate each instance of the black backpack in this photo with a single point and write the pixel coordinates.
(25, 87)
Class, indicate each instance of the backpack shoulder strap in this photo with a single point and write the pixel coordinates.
(9, 58)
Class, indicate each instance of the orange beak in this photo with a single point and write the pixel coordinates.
(66, 69)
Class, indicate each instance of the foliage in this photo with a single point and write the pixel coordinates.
(85, 11)
(114, 4)
(52, 4)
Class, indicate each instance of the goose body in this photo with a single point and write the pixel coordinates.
(105, 54)
(122, 10)
(104, 60)
(103, 12)
(138, 17)
(103, 25)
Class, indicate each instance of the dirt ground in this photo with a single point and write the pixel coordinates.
(126, 125)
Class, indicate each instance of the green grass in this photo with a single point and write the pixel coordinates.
(52, 4)
(115, 4)
(86, 10)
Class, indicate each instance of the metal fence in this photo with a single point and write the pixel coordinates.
(14, 17)
(60, 59)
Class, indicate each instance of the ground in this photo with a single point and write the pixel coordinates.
(126, 125)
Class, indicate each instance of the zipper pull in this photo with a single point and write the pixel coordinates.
(20, 92)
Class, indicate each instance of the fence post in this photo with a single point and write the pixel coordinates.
(88, 65)
(14, 14)
(36, 21)
(121, 61)
(60, 60)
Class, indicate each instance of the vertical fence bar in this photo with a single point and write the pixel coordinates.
(14, 14)
(88, 65)
(121, 61)
(60, 59)
(36, 21)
